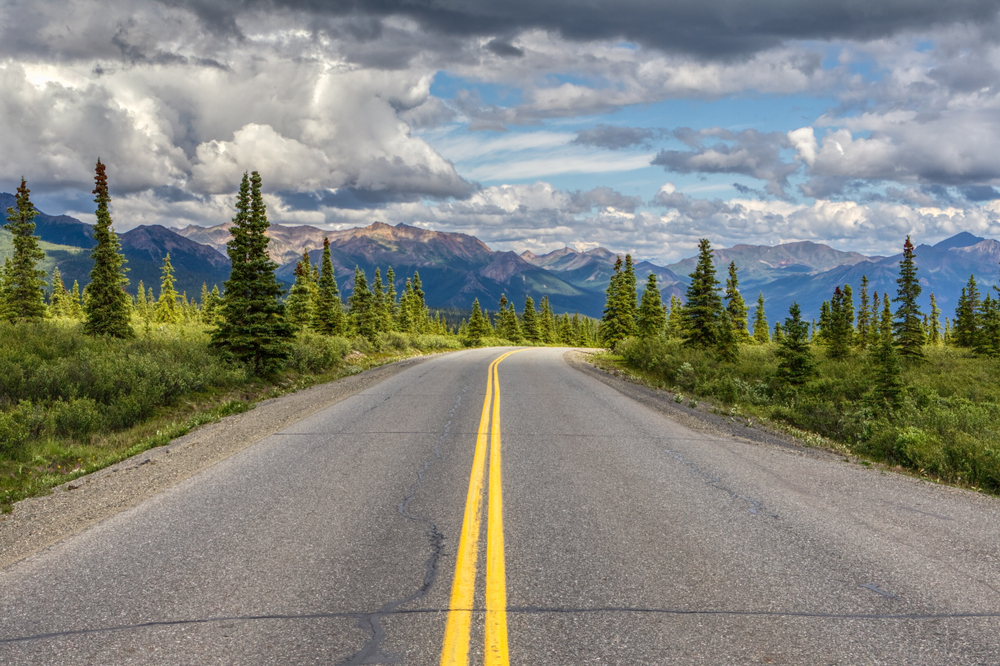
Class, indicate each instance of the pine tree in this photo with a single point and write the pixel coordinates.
(478, 326)
(75, 307)
(703, 312)
(761, 334)
(363, 313)
(107, 305)
(58, 301)
(727, 346)
(779, 335)
(168, 311)
(299, 305)
(796, 365)
(253, 328)
(965, 329)
(328, 311)
(934, 323)
(379, 310)
(675, 320)
(908, 326)
(546, 322)
(566, 337)
(612, 329)
(24, 283)
(885, 357)
(419, 313)
(529, 321)
(652, 319)
(508, 327)
(864, 316)
(392, 308)
(735, 305)
(838, 328)
(988, 343)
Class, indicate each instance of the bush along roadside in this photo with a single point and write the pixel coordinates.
(941, 421)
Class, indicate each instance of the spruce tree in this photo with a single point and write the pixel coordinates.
(379, 309)
(328, 311)
(885, 357)
(727, 346)
(934, 323)
(965, 328)
(253, 328)
(547, 322)
(419, 312)
(392, 308)
(168, 311)
(107, 305)
(838, 327)
(796, 365)
(478, 326)
(75, 307)
(779, 335)
(908, 326)
(703, 311)
(988, 342)
(363, 314)
(24, 284)
(675, 320)
(735, 305)
(761, 333)
(299, 305)
(611, 321)
(529, 321)
(652, 320)
(58, 301)
(864, 316)
(629, 297)
(507, 325)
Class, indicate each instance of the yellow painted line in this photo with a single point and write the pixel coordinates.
(455, 651)
(496, 572)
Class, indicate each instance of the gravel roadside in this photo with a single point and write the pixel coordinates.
(37, 523)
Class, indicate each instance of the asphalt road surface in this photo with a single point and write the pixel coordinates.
(626, 538)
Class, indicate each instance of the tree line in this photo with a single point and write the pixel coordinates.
(250, 319)
(713, 318)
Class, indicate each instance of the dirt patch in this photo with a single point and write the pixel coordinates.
(38, 522)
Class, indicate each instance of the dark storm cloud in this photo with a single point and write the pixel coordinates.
(692, 26)
(504, 49)
(617, 138)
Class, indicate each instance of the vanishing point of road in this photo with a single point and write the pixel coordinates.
(490, 508)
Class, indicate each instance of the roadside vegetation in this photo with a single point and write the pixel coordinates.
(893, 386)
(91, 376)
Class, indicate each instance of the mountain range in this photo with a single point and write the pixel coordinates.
(457, 268)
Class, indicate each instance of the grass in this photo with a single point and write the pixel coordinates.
(71, 404)
(945, 426)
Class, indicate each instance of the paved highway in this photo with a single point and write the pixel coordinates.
(596, 531)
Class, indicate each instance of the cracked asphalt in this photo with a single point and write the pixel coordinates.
(634, 535)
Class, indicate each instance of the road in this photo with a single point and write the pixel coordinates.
(626, 538)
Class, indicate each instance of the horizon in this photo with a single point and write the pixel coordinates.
(639, 128)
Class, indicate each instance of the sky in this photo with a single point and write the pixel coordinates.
(636, 125)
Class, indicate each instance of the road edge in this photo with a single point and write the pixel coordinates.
(37, 523)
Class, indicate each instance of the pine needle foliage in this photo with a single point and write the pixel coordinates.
(761, 330)
(107, 305)
(24, 282)
(529, 321)
(328, 314)
(796, 365)
(299, 304)
(908, 325)
(736, 307)
(703, 310)
(652, 321)
(253, 327)
(168, 311)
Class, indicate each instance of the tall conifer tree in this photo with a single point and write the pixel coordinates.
(253, 327)
(299, 306)
(107, 306)
(703, 311)
(934, 323)
(167, 309)
(736, 306)
(864, 325)
(24, 282)
(908, 326)
(652, 321)
(796, 365)
(761, 331)
(529, 321)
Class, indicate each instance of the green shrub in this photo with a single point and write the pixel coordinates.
(312, 352)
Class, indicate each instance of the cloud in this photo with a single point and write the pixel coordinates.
(706, 29)
(749, 152)
(612, 137)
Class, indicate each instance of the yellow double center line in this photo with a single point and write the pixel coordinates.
(456, 634)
